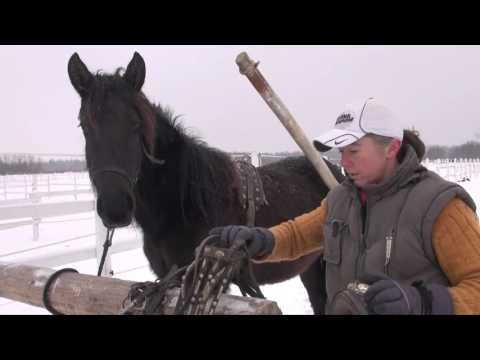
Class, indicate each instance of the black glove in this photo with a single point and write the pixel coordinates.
(386, 296)
(259, 241)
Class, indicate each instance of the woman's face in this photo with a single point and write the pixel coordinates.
(367, 162)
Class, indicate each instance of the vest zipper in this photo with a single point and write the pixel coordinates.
(362, 245)
(388, 249)
(393, 233)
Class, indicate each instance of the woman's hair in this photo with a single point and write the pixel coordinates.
(410, 137)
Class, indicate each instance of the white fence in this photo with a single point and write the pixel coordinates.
(457, 170)
(23, 186)
(30, 199)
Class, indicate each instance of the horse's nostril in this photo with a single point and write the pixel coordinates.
(115, 212)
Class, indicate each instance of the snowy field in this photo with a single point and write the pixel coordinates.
(60, 233)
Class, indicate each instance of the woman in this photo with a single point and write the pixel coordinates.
(408, 233)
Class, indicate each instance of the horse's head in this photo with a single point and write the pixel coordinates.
(115, 123)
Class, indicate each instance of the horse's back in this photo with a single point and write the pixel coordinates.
(292, 187)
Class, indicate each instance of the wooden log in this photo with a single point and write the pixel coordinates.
(79, 294)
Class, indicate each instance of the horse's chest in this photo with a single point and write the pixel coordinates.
(170, 248)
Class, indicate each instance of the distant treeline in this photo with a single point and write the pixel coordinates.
(468, 150)
(27, 164)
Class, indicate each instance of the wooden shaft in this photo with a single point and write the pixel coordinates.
(79, 294)
(250, 69)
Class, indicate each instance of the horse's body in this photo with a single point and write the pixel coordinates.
(197, 187)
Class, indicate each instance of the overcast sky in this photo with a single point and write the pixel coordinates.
(434, 88)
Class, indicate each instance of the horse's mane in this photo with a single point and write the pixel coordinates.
(205, 174)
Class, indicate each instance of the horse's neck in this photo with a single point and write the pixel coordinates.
(193, 187)
(153, 196)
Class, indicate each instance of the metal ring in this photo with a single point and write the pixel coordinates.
(46, 289)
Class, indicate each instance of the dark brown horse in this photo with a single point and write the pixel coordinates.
(144, 167)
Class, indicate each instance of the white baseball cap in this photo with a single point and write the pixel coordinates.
(357, 120)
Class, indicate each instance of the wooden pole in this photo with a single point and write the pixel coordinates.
(79, 294)
(250, 70)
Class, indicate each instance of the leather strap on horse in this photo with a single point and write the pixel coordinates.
(252, 197)
(251, 202)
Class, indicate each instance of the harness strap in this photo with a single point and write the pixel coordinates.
(251, 194)
(251, 202)
(152, 159)
(117, 171)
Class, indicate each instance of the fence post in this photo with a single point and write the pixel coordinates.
(75, 185)
(5, 187)
(34, 183)
(26, 185)
(100, 236)
(36, 200)
(259, 157)
(36, 220)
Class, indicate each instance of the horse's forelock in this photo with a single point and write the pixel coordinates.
(94, 100)
(112, 83)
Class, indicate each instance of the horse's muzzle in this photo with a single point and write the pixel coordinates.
(115, 211)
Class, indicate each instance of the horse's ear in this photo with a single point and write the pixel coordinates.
(135, 73)
(79, 74)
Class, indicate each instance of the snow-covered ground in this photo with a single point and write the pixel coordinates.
(16, 243)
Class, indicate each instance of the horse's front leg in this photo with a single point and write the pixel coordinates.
(154, 256)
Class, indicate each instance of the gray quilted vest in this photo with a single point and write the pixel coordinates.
(397, 237)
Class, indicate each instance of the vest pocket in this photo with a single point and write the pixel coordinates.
(333, 241)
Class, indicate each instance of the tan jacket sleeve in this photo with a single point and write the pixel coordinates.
(298, 237)
(456, 243)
